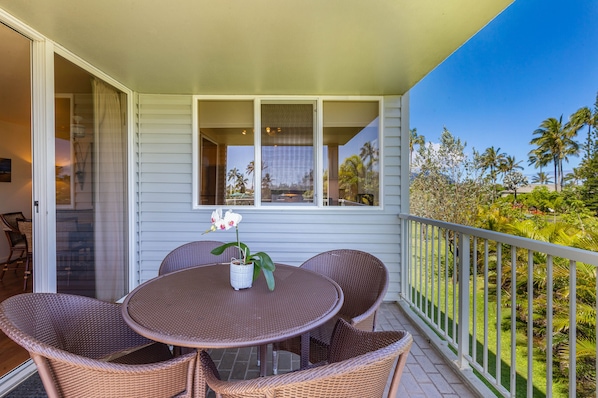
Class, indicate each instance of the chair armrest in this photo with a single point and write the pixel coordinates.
(367, 320)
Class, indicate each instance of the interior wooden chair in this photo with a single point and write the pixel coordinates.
(364, 281)
(359, 365)
(26, 228)
(16, 241)
(83, 348)
(195, 253)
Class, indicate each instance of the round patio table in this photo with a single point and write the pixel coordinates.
(196, 307)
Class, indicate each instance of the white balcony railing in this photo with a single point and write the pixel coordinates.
(461, 282)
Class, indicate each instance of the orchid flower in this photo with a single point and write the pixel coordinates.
(232, 219)
(262, 261)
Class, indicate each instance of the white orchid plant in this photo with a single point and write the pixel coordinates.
(261, 261)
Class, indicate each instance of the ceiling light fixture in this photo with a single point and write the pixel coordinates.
(273, 131)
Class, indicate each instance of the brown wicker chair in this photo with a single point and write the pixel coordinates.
(16, 240)
(359, 365)
(83, 348)
(195, 253)
(364, 281)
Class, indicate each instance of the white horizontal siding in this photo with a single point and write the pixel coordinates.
(166, 219)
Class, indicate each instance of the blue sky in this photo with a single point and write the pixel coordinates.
(538, 59)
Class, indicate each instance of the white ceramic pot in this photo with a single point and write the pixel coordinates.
(241, 275)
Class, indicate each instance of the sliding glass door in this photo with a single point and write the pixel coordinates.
(90, 176)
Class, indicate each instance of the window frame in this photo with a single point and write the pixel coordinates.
(318, 148)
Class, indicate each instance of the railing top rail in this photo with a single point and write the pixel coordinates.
(571, 253)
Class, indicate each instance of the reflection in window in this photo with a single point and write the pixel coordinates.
(287, 153)
(349, 149)
(226, 153)
(351, 153)
(63, 155)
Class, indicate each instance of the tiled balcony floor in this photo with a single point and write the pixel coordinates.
(427, 375)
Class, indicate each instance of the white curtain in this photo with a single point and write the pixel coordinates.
(110, 175)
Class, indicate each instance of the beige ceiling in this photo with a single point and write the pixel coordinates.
(342, 47)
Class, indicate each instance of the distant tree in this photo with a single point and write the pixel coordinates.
(590, 186)
(589, 163)
(250, 170)
(446, 186)
(307, 182)
(538, 159)
(492, 159)
(414, 139)
(233, 176)
(509, 164)
(369, 153)
(241, 183)
(541, 198)
(575, 177)
(351, 174)
(557, 141)
(514, 180)
(585, 117)
(541, 178)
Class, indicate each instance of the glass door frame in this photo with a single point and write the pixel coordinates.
(39, 182)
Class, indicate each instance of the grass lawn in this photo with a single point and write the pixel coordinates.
(539, 358)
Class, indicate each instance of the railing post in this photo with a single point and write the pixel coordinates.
(406, 257)
(463, 316)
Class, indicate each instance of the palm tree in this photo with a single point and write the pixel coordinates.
(585, 117)
(541, 178)
(555, 141)
(492, 159)
(575, 177)
(233, 175)
(241, 183)
(368, 151)
(584, 292)
(414, 139)
(251, 169)
(538, 159)
(509, 164)
(350, 176)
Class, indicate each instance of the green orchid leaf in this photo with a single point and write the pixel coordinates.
(256, 270)
(220, 249)
(262, 262)
(265, 261)
(269, 275)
